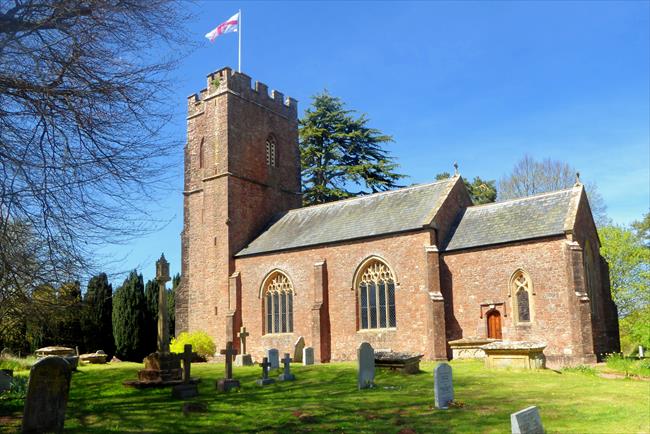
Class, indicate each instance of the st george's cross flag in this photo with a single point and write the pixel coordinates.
(228, 26)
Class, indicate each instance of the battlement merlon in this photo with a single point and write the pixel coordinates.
(227, 80)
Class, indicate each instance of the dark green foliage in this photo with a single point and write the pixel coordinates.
(69, 314)
(479, 190)
(129, 308)
(97, 325)
(339, 153)
(151, 316)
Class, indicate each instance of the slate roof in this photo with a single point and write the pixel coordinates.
(530, 217)
(365, 216)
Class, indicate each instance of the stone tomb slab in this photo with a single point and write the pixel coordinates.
(526, 421)
(366, 365)
(47, 395)
(443, 387)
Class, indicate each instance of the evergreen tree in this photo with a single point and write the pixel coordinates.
(339, 153)
(480, 191)
(129, 308)
(70, 312)
(97, 323)
(151, 316)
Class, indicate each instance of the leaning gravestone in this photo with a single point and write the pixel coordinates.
(443, 387)
(308, 356)
(526, 421)
(274, 358)
(47, 395)
(297, 349)
(366, 362)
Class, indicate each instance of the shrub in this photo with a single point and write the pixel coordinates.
(628, 365)
(202, 344)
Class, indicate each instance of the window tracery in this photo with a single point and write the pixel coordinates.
(278, 295)
(376, 290)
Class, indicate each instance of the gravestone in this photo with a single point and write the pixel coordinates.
(286, 375)
(47, 395)
(228, 383)
(265, 373)
(366, 363)
(308, 356)
(243, 359)
(274, 358)
(443, 387)
(641, 353)
(188, 389)
(6, 377)
(526, 421)
(297, 349)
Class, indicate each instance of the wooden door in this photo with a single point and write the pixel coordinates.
(494, 324)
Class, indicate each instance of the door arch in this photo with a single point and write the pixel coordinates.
(494, 324)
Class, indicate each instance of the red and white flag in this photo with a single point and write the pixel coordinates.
(228, 26)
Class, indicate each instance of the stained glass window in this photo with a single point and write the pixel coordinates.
(279, 304)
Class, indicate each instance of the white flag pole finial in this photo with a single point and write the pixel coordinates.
(239, 50)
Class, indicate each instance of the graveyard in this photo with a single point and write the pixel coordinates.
(326, 398)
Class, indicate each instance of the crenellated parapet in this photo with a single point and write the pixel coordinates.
(226, 80)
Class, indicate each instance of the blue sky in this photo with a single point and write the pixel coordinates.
(481, 83)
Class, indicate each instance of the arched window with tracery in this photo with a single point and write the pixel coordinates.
(278, 301)
(376, 295)
(521, 288)
(271, 151)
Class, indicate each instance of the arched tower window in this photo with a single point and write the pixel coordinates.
(271, 143)
(278, 300)
(376, 294)
(201, 154)
(521, 291)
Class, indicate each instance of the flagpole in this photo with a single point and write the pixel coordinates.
(239, 50)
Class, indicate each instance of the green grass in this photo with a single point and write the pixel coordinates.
(628, 365)
(325, 399)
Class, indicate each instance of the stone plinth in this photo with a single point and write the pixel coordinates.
(406, 363)
(516, 355)
(227, 384)
(469, 348)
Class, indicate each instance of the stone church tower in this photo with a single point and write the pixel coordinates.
(242, 167)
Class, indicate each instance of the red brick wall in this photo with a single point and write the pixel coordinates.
(403, 253)
(482, 275)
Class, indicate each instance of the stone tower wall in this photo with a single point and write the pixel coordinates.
(230, 191)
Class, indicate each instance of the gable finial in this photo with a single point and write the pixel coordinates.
(578, 183)
(455, 168)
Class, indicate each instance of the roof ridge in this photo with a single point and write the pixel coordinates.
(365, 196)
(523, 198)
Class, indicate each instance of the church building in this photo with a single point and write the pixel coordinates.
(407, 270)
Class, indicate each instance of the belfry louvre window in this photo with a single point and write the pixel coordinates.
(522, 292)
(270, 151)
(376, 288)
(278, 295)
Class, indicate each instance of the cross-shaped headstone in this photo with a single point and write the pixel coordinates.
(243, 334)
(287, 375)
(265, 368)
(186, 357)
(229, 352)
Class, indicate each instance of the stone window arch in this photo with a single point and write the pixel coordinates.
(271, 151)
(277, 295)
(521, 292)
(375, 284)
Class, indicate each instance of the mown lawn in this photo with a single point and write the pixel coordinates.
(325, 399)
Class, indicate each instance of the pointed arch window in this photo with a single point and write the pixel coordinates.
(521, 288)
(376, 295)
(278, 300)
(271, 144)
(201, 154)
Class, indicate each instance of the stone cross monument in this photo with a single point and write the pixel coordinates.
(243, 359)
(162, 277)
